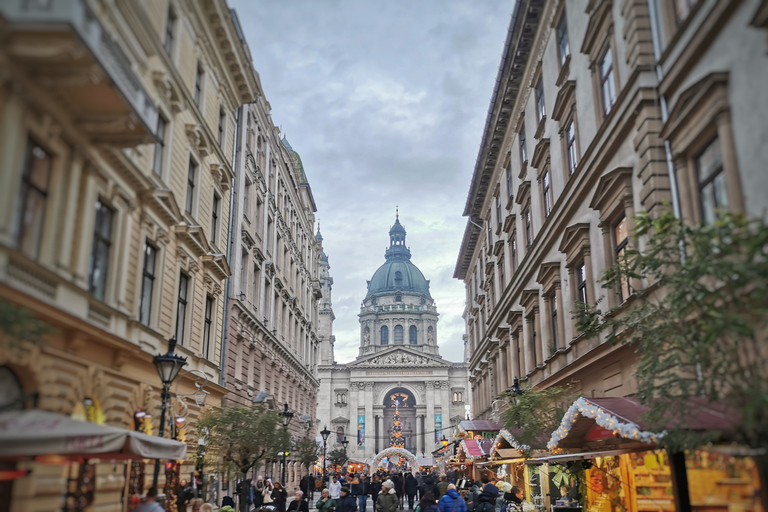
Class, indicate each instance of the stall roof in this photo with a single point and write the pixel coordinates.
(477, 447)
(607, 422)
(480, 426)
(34, 432)
(566, 457)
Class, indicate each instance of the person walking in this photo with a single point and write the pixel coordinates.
(150, 503)
(411, 488)
(451, 501)
(387, 499)
(335, 488)
(427, 503)
(325, 503)
(347, 502)
(279, 497)
(514, 499)
(442, 486)
(299, 504)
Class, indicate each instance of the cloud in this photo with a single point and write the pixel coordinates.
(385, 102)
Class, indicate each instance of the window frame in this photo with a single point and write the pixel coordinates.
(189, 198)
(607, 78)
(182, 301)
(222, 129)
(384, 335)
(541, 106)
(170, 27)
(147, 277)
(101, 241)
(215, 214)
(561, 33)
(413, 335)
(158, 158)
(28, 188)
(547, 192)
(522, 144)
(198, 88)
(401, 331)
(207, 325)
(619, 248)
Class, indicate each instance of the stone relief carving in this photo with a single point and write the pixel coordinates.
(401, 358)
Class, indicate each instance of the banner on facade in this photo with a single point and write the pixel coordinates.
(438, 427)
(361, 430)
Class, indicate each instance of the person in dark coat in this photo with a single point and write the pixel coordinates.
(397, 479)
(451, 501)
(427, 503)
(486, 501)
(374, 488)
(346, 502)
(299, 504)
(411, 488)
(279, 497)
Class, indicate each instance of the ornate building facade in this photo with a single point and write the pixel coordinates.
(600, 113)
(117, 129)
(272, 334)
(398, 364)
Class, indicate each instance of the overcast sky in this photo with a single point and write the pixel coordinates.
(385, 102)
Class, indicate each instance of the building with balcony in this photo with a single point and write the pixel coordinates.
(272, 334)
(117, 130)
(399, 364)
(601, 110)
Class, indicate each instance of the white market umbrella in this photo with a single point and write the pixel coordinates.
(33, 432)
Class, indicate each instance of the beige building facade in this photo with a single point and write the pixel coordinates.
(272, 333)
(601, 110)
(117, 131)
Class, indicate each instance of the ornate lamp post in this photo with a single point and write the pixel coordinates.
(325, 433)
(287, 417)
(168, 367)
(345, 443)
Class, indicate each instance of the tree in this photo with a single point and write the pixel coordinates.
(699, 324)
(306, 451)
(535, 413)
(338, 457)
(242, 437)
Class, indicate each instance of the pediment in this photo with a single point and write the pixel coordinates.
(399, 357)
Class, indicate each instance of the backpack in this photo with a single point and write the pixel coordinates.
(485, 506)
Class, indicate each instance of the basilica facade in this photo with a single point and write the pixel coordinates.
(398, 364)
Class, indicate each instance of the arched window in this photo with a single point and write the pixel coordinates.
(384, 335)
(398, 298)
(339, 434)
(458, 396)
(398, 335)
(412, 335)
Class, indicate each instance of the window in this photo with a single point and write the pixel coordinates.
(490, 233)
(181, 308)
(222, 126)
(498, 211)
(607, 83)
(553, 320)
(157, 162)
(581, 284)
(540, 108)
(384, 335)
(502, 279)
(192, 170)
(215, 218)
(169, 24)
(509, 180)
(563, 48)
(398, 335)
(147, 283)
(102, 241)
(620, 239)
(527, 224)
(339, 434)
(398, 298)
(523, 149)
(412, 335)
(546, 190)
(247, 201)
(207, 325)
(30, 206)
(513, 250)
(341, 398)
(199, 85)
(570, 144)
(458, 396)
(711, 181)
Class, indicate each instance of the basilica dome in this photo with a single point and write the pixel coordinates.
(398, 274)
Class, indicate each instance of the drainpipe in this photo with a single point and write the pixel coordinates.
(657, 51)
(230, 252)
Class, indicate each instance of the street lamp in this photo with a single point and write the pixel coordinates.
(287, 417)
(444, 442)
(345, 443)
(325, 433)
(168, 367)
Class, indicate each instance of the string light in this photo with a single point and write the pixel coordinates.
(583, 408)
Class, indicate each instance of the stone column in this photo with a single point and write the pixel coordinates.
(419, 434)
(369, 446)
(429, 423)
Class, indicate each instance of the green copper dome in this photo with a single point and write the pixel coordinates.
(398, 274)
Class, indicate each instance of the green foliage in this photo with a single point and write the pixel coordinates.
(536, 413)
(241, 437)
(20, 326)
(305, 451)
(699, 324)
(337, 457)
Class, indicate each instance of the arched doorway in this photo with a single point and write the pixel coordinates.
(394, 453)
(406, 404)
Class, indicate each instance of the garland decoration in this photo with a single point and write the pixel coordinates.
(582, 407)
